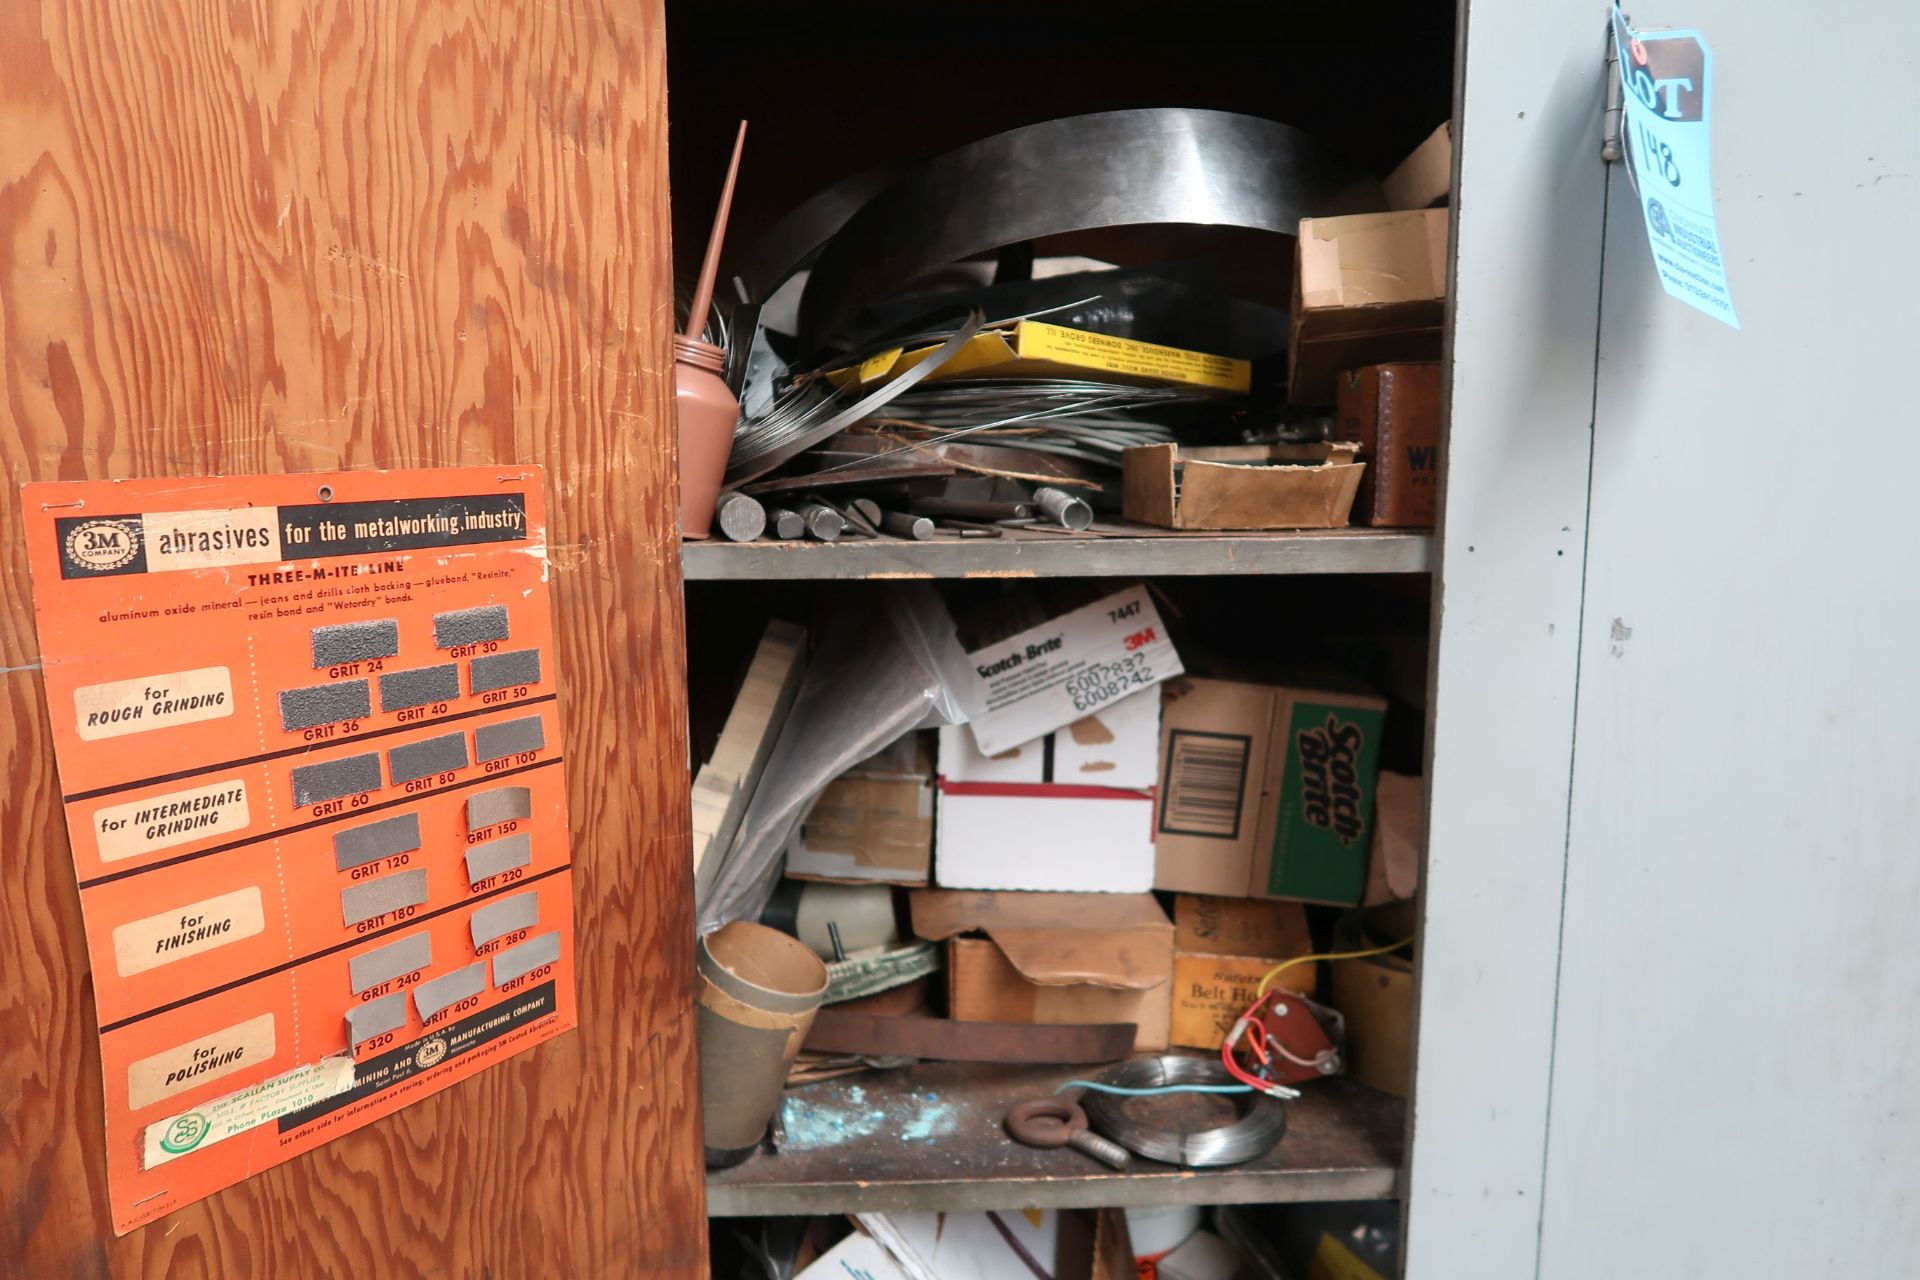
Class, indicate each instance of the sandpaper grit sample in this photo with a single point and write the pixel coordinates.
(309, 749)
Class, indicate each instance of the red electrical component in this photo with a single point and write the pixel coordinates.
(1285, 1042)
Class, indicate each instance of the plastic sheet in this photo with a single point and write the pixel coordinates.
(869, 681)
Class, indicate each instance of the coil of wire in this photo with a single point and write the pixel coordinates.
(1258, 1129)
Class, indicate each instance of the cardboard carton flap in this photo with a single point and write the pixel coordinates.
(1131, 961)
(1425, 177)
(1118, 940)
(1361, 260)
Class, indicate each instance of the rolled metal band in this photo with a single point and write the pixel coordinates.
(1080, 173)
(1262, 1121)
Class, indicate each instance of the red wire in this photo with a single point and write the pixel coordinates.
(1257, 1040)
(1256, 1034)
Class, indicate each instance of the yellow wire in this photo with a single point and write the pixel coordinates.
(1285, 965)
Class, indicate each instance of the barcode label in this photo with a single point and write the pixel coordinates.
(1206, 776)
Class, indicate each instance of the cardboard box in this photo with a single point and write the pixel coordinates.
(1425, 177)
(1222, 948)
(1241, 927)
(1210, 992)
(1054, 958)
(1368, 288)
(1399, 834)
(870, 826)
(1071, 811)
(1392, 411)
(1266, 791)
(1375, 996)
(1215, 736)
(1034, 349)
(1014, 689)
(1309, 486)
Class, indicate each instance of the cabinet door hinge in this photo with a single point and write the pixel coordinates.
(1610, 147)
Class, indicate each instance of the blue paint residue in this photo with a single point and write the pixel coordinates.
(934, 1121)
(828, 1120)
(812, 1124)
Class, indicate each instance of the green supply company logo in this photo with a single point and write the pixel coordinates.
(185, 1133)
(101, 546)
(1330, 777)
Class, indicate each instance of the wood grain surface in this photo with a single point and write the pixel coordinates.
(268, 235)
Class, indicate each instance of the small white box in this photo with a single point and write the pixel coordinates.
(1071, 811)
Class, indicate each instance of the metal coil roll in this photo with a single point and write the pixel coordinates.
(1258, 1130)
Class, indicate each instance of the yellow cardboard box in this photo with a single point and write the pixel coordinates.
(1214, 976)
(1032, 349)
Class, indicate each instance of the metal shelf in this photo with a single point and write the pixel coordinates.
(930, 1138)
(1106, 551)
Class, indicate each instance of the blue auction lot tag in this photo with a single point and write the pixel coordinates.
(1668, 81)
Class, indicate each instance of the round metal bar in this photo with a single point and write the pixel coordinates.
(740, 518)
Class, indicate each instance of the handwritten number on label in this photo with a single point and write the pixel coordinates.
(1657, 157)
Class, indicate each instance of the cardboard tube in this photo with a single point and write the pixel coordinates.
(759, 989)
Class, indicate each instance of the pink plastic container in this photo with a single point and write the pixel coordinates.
(707, 411)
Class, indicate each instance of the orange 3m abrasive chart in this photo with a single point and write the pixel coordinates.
(309, 751)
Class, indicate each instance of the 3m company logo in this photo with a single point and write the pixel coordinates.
(430, 1052)
(99, 546)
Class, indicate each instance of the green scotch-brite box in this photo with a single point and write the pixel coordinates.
(1322, 822)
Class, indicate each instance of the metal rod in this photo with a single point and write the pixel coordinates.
(854, 520)
(969, 508)
(741, 519)
(902, 525)
(823, 522)
(971, 528)
(787, 525)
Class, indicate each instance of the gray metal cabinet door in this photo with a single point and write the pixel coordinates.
(1677, 1041)
(1735, 1058)
(1528, 234)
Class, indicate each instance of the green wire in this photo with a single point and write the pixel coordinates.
(1097, 1087)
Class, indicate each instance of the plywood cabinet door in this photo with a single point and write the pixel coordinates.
(301, 235)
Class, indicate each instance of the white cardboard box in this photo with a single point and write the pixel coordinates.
(969, 1246)
(1072, 665)
(858, 1257)
(1070, 811)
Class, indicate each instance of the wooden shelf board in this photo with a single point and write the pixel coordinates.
(930, 1137)
(1108, 550)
